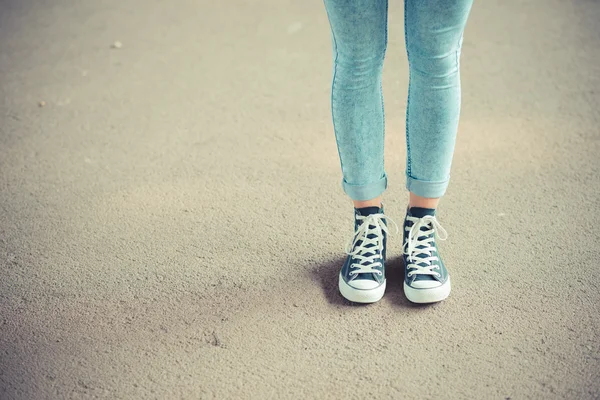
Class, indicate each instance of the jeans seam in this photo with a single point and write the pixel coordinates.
(385, 43)
(335, 63)
(407, 134)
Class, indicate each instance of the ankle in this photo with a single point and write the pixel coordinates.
(422, 202)
(376, 202)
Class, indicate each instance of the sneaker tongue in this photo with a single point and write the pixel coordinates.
(419, 212)
(366, 211)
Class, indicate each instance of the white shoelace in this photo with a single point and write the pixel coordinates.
(367, 264)
(423, 265)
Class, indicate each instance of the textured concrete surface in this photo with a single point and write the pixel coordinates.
(172, 221)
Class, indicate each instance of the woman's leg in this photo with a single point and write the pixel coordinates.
(433, 34)
(359, 36)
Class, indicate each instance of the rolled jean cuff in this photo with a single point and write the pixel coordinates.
(367, 191)
(429, 189)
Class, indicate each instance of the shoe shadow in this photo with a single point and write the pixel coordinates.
(327, 275)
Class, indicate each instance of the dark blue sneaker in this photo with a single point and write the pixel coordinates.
(426, 279)
(362, 278)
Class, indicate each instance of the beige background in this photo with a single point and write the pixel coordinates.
(172, 221)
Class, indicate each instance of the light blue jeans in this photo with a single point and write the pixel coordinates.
(433, 31)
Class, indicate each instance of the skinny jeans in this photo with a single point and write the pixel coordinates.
(433, 33)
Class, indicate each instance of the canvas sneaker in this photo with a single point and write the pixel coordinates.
(426, 279)
(362, 278)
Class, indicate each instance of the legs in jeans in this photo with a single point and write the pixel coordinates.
(359, 36)
(433, 34)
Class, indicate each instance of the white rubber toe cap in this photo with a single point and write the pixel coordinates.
(427, 295)
(363, 284)
(362, 290)
(425, 284)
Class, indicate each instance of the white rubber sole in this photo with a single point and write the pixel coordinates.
(361, 295)
(430, 295)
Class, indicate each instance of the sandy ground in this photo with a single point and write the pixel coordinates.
(172, 221)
